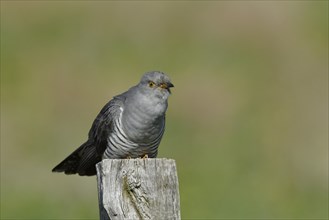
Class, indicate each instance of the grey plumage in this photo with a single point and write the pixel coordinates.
(130, 125)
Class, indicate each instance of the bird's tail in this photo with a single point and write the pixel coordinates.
(82, 161)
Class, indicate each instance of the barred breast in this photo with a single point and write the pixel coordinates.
(135, 134)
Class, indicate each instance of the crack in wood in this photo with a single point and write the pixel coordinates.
(137, 194)
(138, 189)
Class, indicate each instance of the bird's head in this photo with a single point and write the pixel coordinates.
(156, 83)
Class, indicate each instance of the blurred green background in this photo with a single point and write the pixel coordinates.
(247, 121)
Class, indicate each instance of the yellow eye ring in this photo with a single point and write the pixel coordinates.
(151, 84)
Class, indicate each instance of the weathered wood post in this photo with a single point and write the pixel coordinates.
(138, 189)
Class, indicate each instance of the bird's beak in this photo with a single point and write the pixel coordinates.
(167, 86)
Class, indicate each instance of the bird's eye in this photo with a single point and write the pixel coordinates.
(151, 84)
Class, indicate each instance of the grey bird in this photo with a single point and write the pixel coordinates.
(131, 125)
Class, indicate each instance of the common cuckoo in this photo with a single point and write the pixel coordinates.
(130, 125)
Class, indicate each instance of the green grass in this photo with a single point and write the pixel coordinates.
(247, 121)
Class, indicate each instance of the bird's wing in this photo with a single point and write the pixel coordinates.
(83, 159)
(102, 125)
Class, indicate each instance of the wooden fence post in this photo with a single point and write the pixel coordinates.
(138, 189)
